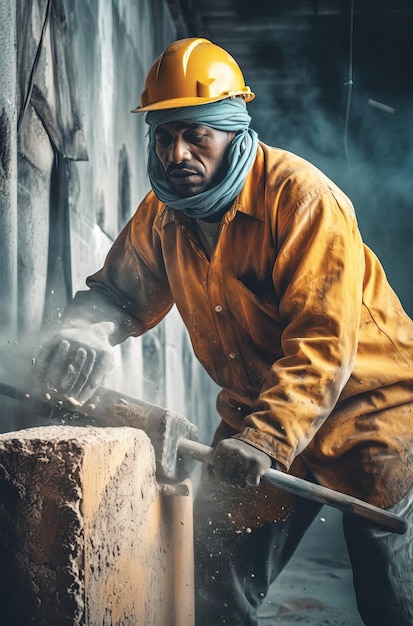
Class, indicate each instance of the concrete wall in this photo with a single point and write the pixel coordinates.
(8, 171)
(74, 163)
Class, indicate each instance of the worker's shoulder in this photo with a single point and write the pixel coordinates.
(149, 209)
(283, 164)
(299, 178)
(151, 203)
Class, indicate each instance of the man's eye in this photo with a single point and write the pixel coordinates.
(195, 137)
(163, 140)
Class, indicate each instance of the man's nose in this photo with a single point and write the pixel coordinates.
(179, 150)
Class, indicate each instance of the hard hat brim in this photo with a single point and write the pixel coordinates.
(176, 103)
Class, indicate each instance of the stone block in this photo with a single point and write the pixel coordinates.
(86, 537)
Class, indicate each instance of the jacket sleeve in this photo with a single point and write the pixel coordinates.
(131, 289)
(318, 277)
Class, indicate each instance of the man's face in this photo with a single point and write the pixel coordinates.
(193, 156)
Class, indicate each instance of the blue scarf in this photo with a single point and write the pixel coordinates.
(229, 114)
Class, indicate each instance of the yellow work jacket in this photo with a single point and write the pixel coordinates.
(292, 316)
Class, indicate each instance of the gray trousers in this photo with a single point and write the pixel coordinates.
(233, 571)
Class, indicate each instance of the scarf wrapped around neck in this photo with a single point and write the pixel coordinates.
(229, 114)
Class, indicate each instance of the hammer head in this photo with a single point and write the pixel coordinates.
(170, 463)
(164, 428)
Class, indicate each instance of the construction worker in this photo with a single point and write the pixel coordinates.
(287, 310)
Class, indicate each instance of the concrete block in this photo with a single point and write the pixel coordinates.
(86, 538)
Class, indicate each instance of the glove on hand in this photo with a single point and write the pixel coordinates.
(74, 361)
(239, 464)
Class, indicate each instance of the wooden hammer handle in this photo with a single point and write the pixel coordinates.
(300, 487)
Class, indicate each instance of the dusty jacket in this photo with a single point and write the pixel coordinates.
(292, 316)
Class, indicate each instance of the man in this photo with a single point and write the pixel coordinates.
(287, 310)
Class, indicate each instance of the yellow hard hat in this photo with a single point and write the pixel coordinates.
(190, 72)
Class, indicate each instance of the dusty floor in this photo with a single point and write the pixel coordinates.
(316, 587)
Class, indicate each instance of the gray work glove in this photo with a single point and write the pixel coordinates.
(74, 361)
(239, 464)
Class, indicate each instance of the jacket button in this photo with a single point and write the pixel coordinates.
(218, 308)
(232, 355)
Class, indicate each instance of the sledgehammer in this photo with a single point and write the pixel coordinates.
(175, 443)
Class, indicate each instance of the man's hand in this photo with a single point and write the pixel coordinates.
(74, 361)
(239, 464)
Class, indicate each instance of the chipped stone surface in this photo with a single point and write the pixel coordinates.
(84, 538)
